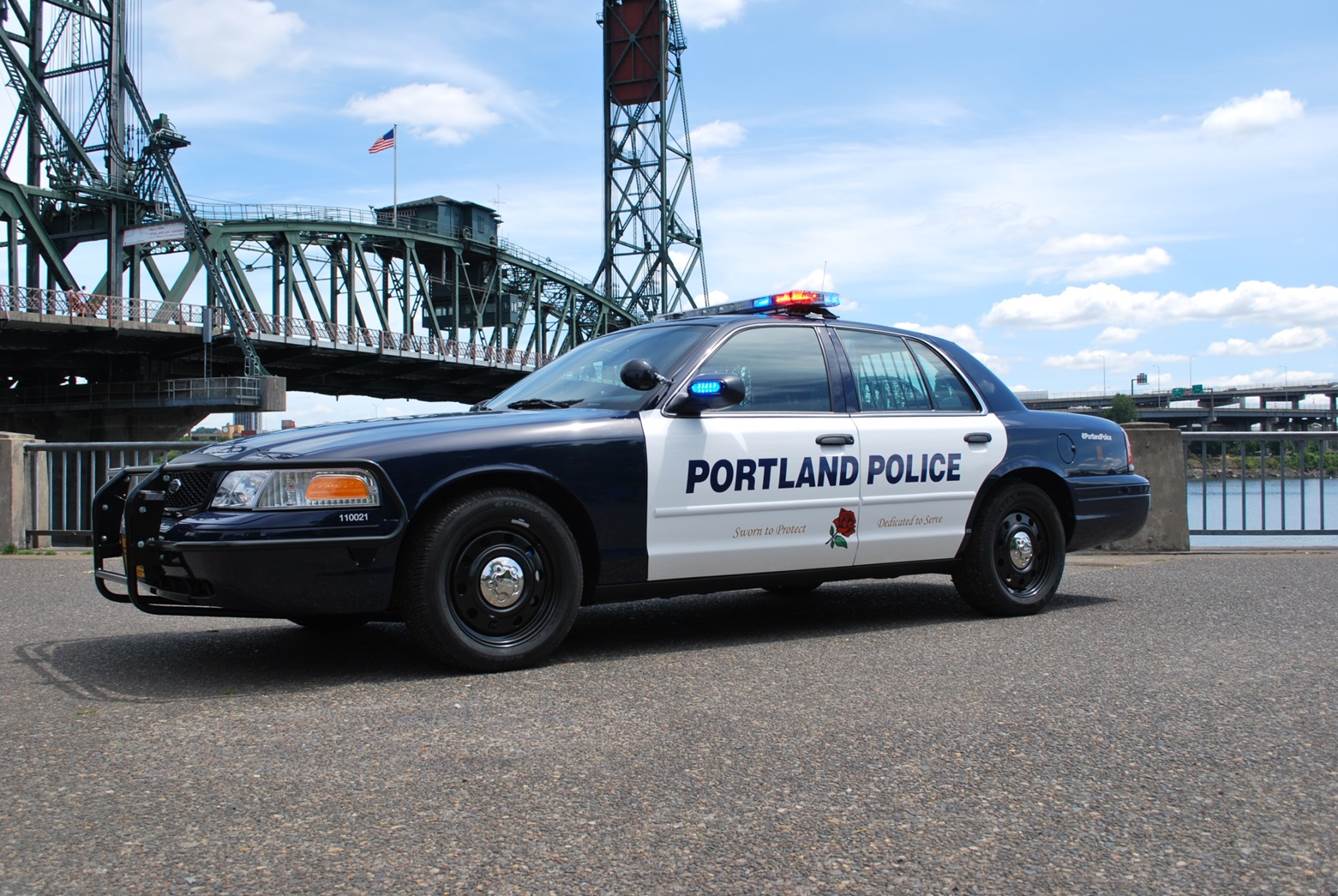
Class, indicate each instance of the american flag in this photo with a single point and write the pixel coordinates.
(386, 141)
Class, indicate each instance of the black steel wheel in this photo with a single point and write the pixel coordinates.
(492, 582)
(1014, 559)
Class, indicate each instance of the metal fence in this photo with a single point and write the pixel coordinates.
(62, 487)
(1262, 483)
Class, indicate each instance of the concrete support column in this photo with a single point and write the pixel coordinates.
(1159, 455)
(17, 494)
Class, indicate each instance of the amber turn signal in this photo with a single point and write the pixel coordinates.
(337, 487)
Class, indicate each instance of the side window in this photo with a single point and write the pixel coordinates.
(947, 388)
(886, 375)
(782, 369)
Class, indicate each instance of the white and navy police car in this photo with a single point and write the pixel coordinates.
(756, 444)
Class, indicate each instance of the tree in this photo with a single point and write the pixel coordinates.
(1123, 409)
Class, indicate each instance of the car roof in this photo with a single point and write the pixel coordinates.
(739, 320)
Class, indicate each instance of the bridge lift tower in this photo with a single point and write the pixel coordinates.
(653, 261)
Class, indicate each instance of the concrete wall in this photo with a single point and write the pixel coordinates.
(16, 498)
(1160, 456)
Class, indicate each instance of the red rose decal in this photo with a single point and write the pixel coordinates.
(845, 522)
(842, 528)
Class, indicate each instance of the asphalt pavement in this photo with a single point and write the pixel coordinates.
(1168, 726)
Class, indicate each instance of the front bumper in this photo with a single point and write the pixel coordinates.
(1107, 508)
(273, 564)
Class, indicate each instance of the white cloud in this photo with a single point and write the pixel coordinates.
(1269, 376)
(1292, 339)
(1113, 361)
(710, 13)
(1118, 334)
(818, 279)
(1105, 303)
(226, 40)
(1259, 113)
(962, 334)
(1083, 243)
(441, 112)
(1112, 267)
(718, 135)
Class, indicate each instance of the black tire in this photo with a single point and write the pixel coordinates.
(330, 623)
(798, 588)
(988, 575)
(527, 555)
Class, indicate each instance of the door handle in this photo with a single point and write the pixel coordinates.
(839, 438)
(978, 438)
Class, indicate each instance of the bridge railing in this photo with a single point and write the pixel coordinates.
(76, 304)
(1262, 483)
(62, 478)
(428, 345)
(184, 392)
(73, 306)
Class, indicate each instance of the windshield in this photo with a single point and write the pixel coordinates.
(588, 374)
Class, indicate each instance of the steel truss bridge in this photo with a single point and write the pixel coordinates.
(334, 301)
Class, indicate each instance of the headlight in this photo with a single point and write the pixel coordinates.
(295, 489)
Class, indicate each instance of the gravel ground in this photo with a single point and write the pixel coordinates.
(1167, 727)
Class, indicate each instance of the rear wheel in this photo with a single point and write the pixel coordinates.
(492, 582)
(1014, 559)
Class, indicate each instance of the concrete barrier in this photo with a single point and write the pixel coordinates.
(1159, 455)
(16, 491)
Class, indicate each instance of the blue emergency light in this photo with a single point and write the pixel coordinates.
(706, 387)
(798, 301)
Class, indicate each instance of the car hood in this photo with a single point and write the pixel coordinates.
(375, 439)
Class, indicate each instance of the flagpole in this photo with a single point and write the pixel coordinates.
(395, 211)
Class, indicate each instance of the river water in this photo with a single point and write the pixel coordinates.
(1267, 504)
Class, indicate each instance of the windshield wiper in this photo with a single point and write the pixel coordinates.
(531, 404)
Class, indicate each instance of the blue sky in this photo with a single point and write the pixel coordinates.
(1046, 182)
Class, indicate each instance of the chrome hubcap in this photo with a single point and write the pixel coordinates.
(501, 582)
(1020, 550)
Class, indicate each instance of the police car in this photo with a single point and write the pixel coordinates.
(755, 444)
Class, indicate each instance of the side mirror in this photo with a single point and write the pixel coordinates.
(708, 393)
(640, 375)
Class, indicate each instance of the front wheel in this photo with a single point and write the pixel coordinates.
(492, 582)
(1015, 557)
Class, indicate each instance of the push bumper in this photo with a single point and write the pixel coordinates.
(194, 569)
(1107, 508)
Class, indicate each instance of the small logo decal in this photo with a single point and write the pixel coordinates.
(842, 528)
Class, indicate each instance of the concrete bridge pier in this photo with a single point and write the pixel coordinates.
(17, 497)
(1159, 455)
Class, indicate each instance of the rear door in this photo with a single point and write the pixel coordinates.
(759, 487)
(926, 443)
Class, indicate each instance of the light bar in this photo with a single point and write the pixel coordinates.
(797, 300)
